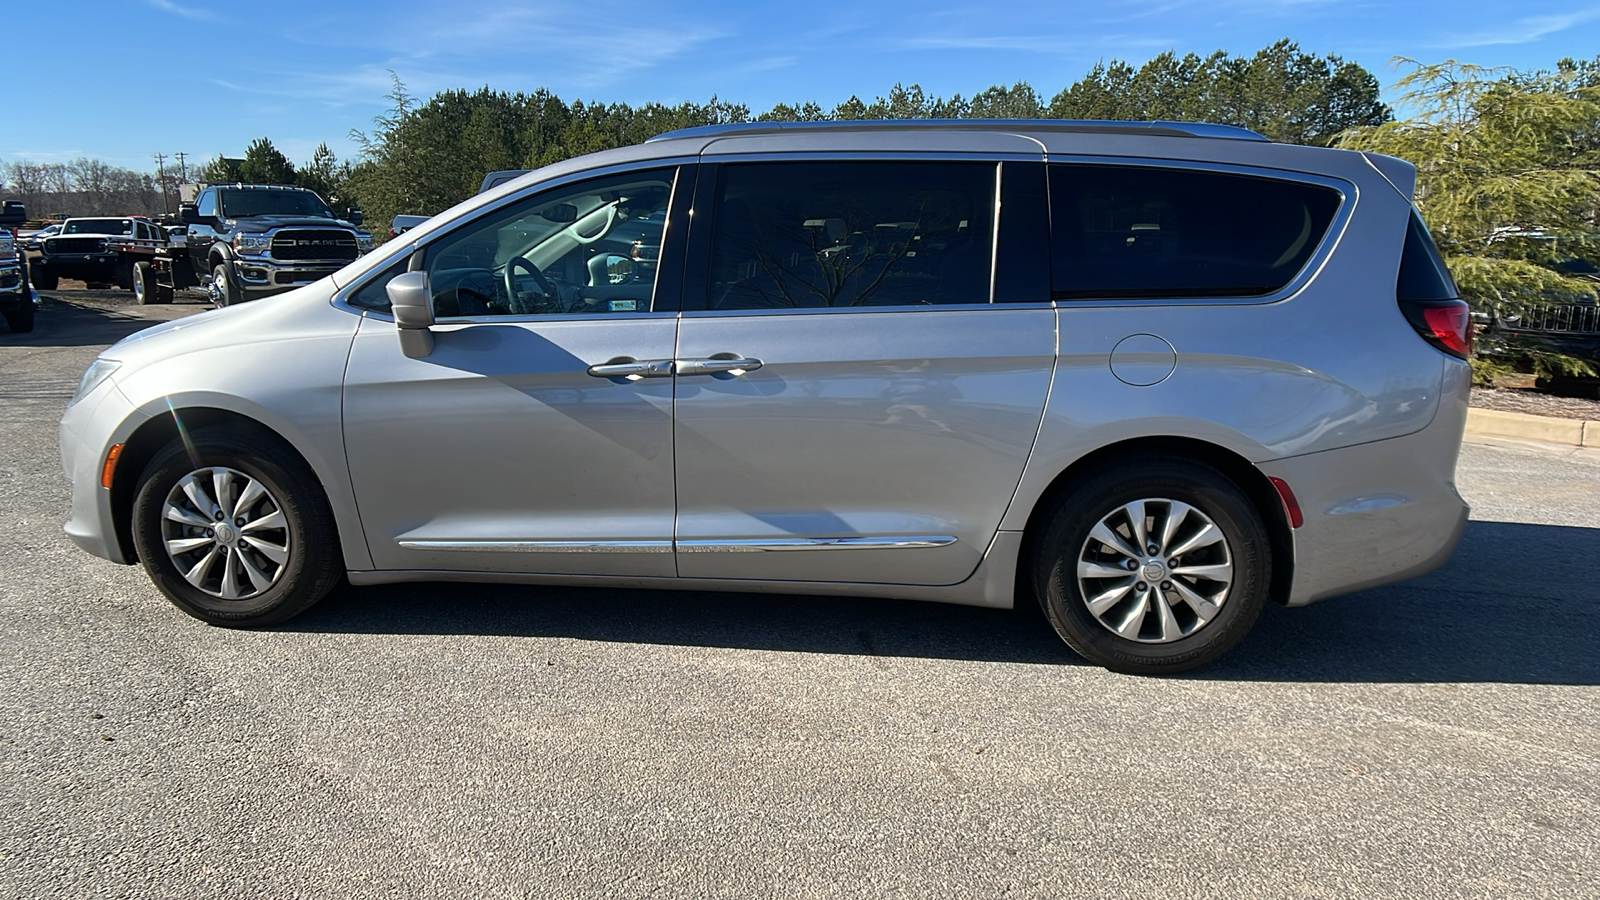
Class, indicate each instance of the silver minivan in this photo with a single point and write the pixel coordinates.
(1153, 375)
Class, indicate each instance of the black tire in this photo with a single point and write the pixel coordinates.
(145, 289)
(1099, 495)
(125, 275)
(21, 318)
(227, 293)
(163, 294)
(45, 281)
(313, 563)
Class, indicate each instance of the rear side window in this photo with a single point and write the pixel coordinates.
(852, 234)
(1158, 232)
(1423, 274)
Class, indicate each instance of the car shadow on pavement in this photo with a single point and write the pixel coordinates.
(63, 323)
(1517, 604)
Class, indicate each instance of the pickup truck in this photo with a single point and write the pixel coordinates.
(98, 250)
(247, 241)
(16, 299)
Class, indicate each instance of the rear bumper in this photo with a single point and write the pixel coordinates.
(1382, 512)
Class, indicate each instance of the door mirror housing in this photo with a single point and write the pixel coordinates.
(353, 215)
(411, 302)
(13, 213)
(188, 214)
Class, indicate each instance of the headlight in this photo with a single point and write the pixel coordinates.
(102, 244)
(8, 250)
(364, 242)
(99, 371)
(252, 244)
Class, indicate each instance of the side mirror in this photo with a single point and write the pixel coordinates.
(411, 302)
(562, 213)
(353, 215)
(13, 213)
(188, 214)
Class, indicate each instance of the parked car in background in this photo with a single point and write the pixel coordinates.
(495, 179)
(177, 235)
(99, 251)
(16, 298)
(1152, 375)
(403, 224)
(247, 241)
(35, 239)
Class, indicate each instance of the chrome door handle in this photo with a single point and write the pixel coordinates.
(733, 365)
(632, 369)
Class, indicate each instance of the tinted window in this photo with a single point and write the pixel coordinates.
(1423, 275)
(240, 203)
(207, 205)
(374, 294)
(849, 234)
(1125, 231)
(589, 247)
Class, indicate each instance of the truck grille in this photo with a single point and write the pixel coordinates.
(1558, 319)
(73, 245)
(308, 244)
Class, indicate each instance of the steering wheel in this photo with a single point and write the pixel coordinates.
(553, 299)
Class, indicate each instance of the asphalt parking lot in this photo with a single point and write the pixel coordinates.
(1435, 739)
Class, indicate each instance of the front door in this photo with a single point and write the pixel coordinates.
(506, 449)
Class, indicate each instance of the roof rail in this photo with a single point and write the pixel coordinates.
(1082, 126)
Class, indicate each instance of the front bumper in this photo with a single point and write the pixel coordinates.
(13, 285)
(88, 430)
(262, 277)
(82, 266)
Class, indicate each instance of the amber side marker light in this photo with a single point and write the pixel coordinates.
(1290, 504)
(110, 467)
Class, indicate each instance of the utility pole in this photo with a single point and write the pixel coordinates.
(161, 176)
(183, 170)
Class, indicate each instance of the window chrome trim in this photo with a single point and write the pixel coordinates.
(864, 310)
(340, 299)
(542, 546)
(1349, 198)
(975, 156)
(762, 545)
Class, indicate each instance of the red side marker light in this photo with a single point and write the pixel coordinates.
(1291, 506)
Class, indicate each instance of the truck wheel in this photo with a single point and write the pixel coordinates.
(21, 319)
(145, 289)
(45, 281)
(223, 291)
(126, 276)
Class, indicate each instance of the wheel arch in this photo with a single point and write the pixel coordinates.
(1237, 469)
(157, 432)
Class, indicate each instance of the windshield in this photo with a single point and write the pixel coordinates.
(242, 204)
(98, 226)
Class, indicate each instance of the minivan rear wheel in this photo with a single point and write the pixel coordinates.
(233, 530)
(1154, 566)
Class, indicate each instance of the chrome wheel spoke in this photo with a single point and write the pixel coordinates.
(1129, 627)
(258, 578)
(196, 492)
(271, 521)
(220, 479)
(197, 574)
(1222, 572)
(179, 514)
(1113, 541)
(1207, 536)
(230, 575)
(276, 553)
(1136, 516)
(1176, 514)
(252, 492)
(1099, 605)
(1088, 569)
(1169, 625)
(180, 546)
(1203, 609)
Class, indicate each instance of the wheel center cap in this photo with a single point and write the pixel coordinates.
(225, 533)
(1154, 570)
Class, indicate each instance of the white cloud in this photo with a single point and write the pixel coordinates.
(188, 12)
(1522, 31)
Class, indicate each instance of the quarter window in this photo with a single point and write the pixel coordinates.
(1158, 232)
(851, 234)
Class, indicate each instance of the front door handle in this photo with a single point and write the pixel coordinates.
(716, 365)
(632, 369)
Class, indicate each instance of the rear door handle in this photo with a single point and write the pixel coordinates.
(632, 369)
(722, 362)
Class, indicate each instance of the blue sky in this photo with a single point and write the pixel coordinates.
(122, 80)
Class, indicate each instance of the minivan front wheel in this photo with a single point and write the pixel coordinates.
(233, 529)
(1157, 565)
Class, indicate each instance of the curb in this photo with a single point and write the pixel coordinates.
(1545, 429)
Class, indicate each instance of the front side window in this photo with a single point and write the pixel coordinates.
(1160, 232)
(590, 247)
(851, 234)
(207, 205)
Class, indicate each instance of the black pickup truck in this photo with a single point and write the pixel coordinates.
(247, 241)
(16, 299)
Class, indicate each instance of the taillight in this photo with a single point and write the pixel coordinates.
(1446, 324)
